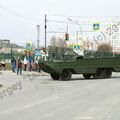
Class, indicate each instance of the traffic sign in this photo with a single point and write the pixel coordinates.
(76, 47)
(96, 26)
(38, 52)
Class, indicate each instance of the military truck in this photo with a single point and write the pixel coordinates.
(91, 65)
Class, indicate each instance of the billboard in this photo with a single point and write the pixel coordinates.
(29, 46)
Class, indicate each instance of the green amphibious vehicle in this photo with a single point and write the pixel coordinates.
(91, 65)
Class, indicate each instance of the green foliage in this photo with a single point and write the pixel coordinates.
(104, 48)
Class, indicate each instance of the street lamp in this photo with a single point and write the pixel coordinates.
(38, 35)
(11, 52)
(76, 23)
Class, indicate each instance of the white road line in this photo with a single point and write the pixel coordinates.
(31, 105)
(84, 118)
(41, 101)
(48, 115)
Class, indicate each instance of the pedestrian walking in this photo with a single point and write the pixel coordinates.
(13, 62)
(25, 64)
(39, 65)
(30, 64)
(19, 66)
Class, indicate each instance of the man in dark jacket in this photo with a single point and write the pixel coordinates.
(39, 65)
(19, 66)
(13, 62)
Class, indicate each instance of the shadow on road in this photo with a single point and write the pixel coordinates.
(83, 79)
(1, 85)
(115, 77)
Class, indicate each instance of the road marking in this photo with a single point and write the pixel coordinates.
(41, 101)
(48, 115)
(83, 118)
(31, 105)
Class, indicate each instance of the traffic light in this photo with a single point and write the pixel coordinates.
(66, 36)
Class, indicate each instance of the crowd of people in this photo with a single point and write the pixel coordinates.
(26, 65)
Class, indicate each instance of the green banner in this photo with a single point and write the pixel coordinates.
(29, 46)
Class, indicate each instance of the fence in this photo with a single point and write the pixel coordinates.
(6, 57)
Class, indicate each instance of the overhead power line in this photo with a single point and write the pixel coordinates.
(11, 11)
(49, 20)
(68, 16)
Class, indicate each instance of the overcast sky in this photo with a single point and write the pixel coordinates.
(18, 18)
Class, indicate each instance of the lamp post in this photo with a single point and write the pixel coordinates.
(38, 36)
(11, 52)
(67, 28)
(45, 30)
(67, 24)
(76, 23)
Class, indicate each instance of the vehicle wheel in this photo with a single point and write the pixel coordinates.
(66, 75)
(100, 74)
(55, 76)
(108, 73)
(87, 76)
(103, 73)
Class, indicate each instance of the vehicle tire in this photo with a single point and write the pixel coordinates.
(55, 76)
(100, 74)
(108, 73)
(66, 75)
(87, 76)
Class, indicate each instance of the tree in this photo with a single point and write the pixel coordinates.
(104, 48)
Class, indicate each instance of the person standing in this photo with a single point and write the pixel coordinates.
(13, 64)
(39, 65)
(19, 66)
(30, 64)
(25, 64)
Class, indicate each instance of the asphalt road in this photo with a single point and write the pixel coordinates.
(40, 98)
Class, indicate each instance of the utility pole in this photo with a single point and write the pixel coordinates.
(77, 36)
(45, 29)
(38, 34)
(81, 28)
(11, 52)
(67, 28)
